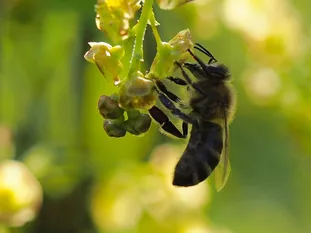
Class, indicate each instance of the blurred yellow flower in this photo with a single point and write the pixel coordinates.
(164, 159)
(262, 85)
(272, 32)
(147, 187)
(20, 194)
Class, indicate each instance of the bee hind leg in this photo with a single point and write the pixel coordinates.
(159, 116)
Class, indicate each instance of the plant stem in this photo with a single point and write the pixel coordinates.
(138, 55)
(153, 24)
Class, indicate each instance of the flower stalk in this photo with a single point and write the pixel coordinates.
(140, 29)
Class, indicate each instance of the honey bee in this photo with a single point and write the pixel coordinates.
(212, 102)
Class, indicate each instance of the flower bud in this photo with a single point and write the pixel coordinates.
(107, 59)
(114, 129)
(137, 122)
(108, 107)
(137, 92)
(169, 53)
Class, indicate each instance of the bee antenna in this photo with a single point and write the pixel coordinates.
(206, 52)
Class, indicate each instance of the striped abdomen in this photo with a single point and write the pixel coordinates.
(201, 155)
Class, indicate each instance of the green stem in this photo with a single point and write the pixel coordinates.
(138, 55)
(153, 24)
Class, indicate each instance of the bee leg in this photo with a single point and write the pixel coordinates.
(177, 81)
(196, 70)
(169, 94)
(188, 80)
(185, 128)
(174, 110)
(159, 116)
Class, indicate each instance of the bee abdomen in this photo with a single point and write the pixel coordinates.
(200, 157)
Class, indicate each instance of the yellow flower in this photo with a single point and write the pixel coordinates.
(112, 17)
(137, 92)
(107, 59)
(169, 52)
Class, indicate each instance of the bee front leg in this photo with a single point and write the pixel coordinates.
(159, 116)
(174, 110)
(162, 88)
(169, 94)
(188, 80)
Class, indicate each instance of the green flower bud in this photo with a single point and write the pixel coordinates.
(175, 50)
(137, 123)
(171, 4)
(107, 59)
(114, 129)
(108, 107)
(137, 92)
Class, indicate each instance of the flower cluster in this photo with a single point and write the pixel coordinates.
(122, 62)
(115, 124)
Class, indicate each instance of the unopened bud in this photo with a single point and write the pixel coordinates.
(108, 107)
(113, 129)
(138, 124)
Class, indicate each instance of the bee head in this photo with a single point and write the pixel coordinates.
(218, 72)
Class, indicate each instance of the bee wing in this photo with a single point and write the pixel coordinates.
(223, 169)
(222, 172)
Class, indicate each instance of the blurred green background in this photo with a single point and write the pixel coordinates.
(92, 183)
